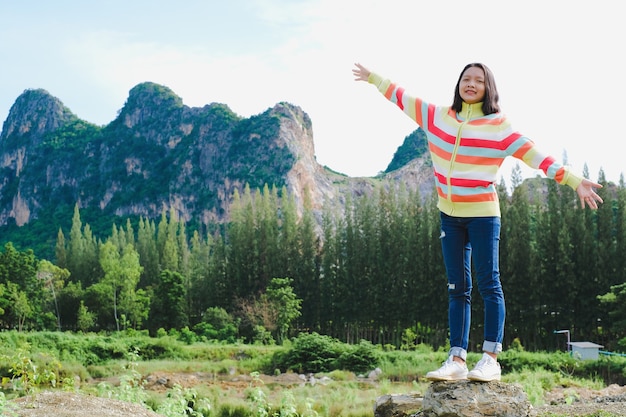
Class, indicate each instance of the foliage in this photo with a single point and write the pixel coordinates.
(168, 303)
(217, 324)
(313, 353)
(7, 409)
(85, 319)
(362, 357)
(343, 396)
(184, 402)
(89, 349)
(280, 296)
(28, 374)
(131, 387)
(414, 146)
(370, 272)
(615, 299)
(261, 406)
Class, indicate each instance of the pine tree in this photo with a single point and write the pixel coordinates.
(200, 284)
(304, 258)
(518, 280)
(76, 249)
(148, 253)
(168, 303)
(60, 250)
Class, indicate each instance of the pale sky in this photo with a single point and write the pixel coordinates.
(557, 63)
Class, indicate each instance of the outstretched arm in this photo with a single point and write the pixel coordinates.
(588, 195)
(413, 107)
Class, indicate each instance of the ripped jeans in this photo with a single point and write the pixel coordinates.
(465, 240)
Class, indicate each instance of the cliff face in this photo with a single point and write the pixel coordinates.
(159, 154)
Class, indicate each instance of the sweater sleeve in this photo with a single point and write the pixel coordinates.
(571, 179)
(534, 158)
(413, 107)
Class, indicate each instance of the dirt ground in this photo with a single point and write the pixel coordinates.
(584, 402)
(566, 402)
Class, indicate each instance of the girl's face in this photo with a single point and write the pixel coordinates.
(472, 85)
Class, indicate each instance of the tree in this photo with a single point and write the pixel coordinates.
(4, 301)
(148, 252)
(169, 302)
(22, 308)
(61, 250)
(217, 324)
(86, 319)
(121, 275)
(53, 278)
(302, 247)
(18, 271)
(199, 285)
(69, 299)
(517, 278)
(76, 247)
(285, 303)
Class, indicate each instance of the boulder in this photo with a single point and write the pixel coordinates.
(397, 405)
(459, 399)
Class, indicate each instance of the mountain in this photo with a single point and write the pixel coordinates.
(159, 154)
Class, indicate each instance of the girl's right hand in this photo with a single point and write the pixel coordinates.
(361, 73)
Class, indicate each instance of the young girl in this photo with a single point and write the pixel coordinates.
(468, 142)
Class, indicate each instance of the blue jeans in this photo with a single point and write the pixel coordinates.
(465, 240)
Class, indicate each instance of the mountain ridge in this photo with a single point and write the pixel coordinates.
(159, 154)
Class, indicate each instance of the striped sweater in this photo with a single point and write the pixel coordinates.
(467, 150)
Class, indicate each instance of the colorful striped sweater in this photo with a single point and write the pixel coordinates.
(467, 150)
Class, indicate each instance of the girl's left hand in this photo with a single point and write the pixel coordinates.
(587, 194)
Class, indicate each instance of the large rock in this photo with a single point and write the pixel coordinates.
(397, 405)
(459, 399)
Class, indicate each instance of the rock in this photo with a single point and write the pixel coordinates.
(459, 399)
(373, 375)
(397, 405)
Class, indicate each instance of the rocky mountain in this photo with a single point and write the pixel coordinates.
(159, 154)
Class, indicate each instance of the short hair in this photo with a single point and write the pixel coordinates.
(491, 99)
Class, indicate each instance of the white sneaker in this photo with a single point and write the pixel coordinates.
(449, 371)
(487, 369)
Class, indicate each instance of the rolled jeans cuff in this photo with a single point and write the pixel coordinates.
(492, 347)
(458, 351)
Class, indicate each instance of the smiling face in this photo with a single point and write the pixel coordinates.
(472, 85)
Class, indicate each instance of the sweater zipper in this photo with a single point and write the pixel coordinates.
(457, 143)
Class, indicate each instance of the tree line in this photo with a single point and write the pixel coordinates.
(370, 269)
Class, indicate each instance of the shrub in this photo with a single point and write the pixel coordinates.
(187, 336)
(217, 324)
(360, 358)
(314, 353)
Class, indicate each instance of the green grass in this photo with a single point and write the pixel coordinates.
(226, 374)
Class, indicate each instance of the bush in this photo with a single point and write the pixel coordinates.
(360, 358)
(187, 336)
(314, 353)
(309, 352)
(217, 324)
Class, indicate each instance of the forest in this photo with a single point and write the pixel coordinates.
(370, 270)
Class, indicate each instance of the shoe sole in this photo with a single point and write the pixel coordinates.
(481, 379)
(438, 378)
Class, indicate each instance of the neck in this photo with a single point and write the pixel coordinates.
(472, 110)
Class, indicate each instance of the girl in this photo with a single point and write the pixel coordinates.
(468, 142)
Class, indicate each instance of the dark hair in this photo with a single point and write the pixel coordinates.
(490, 102)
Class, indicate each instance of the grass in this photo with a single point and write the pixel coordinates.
(226, 376)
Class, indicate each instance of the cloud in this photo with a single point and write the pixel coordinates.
(558, 78)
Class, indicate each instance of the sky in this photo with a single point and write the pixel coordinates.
(557, 64)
